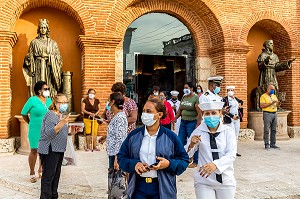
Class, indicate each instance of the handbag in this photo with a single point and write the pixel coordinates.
(117, 185)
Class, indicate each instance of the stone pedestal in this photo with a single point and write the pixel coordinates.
(24, 148)
(7, 145)
(255, 122)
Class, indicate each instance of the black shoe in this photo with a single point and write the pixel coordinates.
(267, 146)
(275, 147)
(239, 155)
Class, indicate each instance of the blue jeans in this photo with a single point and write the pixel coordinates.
(185, 130)
(145, 190)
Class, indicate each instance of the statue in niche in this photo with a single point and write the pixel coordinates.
(269, 65)
(43, 61)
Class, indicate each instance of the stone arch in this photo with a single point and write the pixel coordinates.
(271, 22)
(202, 22)
(75, 9)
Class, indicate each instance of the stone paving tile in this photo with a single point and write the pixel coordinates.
(260, 174)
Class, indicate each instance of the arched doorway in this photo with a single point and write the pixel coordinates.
(261, 31)
(65, 31)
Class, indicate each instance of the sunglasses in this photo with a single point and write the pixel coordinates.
(46, 89)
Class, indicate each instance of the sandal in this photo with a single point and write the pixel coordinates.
(32, 178)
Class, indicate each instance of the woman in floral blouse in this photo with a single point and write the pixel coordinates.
(117, 128)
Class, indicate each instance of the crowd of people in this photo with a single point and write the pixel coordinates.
(199, 131)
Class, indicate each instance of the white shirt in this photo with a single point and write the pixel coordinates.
(148, 152)
(234, 105)
(226, 143)
(208, 96)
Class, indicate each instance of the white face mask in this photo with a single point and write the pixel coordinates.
(91, 96)
(147, 119)
(46, 93)
(230, 93)
(155, 94)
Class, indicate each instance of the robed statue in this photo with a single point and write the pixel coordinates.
(269, 65)
(43, 61)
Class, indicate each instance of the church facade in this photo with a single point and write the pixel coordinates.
(228, 37)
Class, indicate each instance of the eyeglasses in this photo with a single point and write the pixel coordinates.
(46, 89)
(62, 102)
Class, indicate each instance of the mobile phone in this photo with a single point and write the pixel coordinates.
(155, 164)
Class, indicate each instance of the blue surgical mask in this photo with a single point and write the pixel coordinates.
(272, 92)
(63, 108)
(217, 90)
(107, 107)
(186, 91)
(212, 121)
(199, 91)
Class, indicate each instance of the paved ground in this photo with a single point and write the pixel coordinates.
(260, 174)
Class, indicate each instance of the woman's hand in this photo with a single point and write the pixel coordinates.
(116, 165)
(141, 168)
(75, 129)
(162, 164)
(65, 119)
(207, 169)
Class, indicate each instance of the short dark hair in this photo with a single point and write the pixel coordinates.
(159, 106)
(165, 93)
(119, 87)
(155, 88)
(91, 89)
(118, 98)
(38, 86)
(191, 85)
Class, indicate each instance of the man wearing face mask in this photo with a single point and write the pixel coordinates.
(214, 88)
(175, 103)
(269, 104)
(234, 115)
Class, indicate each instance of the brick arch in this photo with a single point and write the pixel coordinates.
(276, 25)
(196, 25)
(75, 9)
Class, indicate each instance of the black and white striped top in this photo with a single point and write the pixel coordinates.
(48, 136)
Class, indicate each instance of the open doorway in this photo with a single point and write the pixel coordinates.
(158, 50)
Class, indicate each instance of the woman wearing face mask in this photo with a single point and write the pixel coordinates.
(168, 121)
(90, 107)
(190, 116)
(234, 115)
(153, 155)
(216, 143)
(117, 128)
(155, 92)
(37, 106)
(52, 145)
(199, 90)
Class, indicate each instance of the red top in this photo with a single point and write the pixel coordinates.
(170, 114)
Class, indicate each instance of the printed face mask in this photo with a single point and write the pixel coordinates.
(147, 119)
(186, 91)
(212, 121)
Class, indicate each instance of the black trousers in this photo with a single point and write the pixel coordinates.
(51, 164)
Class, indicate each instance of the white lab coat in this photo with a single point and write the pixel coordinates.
(226, 144)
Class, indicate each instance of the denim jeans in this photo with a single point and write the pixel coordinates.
(185, 131)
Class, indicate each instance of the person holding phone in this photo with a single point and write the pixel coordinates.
(216, 143)
(234, 115)
(52, 145)
(153, 155)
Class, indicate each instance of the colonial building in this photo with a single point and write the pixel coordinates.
(227, 35)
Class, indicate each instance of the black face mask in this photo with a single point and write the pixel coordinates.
(174, 99)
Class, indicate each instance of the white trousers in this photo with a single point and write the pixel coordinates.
(211, 192)
(236, 125)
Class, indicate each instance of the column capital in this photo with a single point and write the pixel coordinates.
(231, 47)
(97, 41)
(9, 36)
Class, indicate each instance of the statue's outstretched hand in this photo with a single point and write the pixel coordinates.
(291, 60)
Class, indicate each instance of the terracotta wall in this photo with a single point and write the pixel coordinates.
(256, 38)
(65, 31)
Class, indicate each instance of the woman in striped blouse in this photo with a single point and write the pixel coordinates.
(52, 145)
